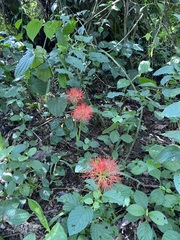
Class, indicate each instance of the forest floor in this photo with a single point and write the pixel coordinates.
(71, 182)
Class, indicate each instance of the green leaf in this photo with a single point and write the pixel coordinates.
(75, 62)
(123, 82)
(45, 193)
(84, 39)
(157, 196)
(99, 57)
(171, 93)
(111, 128)
(18, 23)
(24, 63)
(164, 70)
(102, 231)
(146, 82)
(144, 67)
(43, 72)
(113, 196)
(114, 94)
(136, 210)
(141, 199)
(69, 27)
(172, 111)
(50, 28)
(36, 208)
(155, 150)
(70, 200)
(30, 236)
(114, 136)
(126, 138)
(78, 219)
(18, 216)
(144, 231)
(37, 86)
(33, 28)
(175, 135)
(40, 56)
(57, 232)
(169, 157)
(177, 180)
(171, 235)
(61, 39)
(57, 106)
(31, 151)
(158, 217)
(18, 177)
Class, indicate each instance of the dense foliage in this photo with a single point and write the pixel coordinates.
(78, 81)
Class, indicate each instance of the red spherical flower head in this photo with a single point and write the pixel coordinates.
(104, 172)
(75, 95)
(82, 112)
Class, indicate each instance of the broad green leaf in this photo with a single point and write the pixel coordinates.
(136, 210)
(114, 136)
(18, 23)
(139, 168)
(175, 135)
(172, 111)
(123, 82)
(57, 232)
(61, 39)
(37, 86)
(99, 57)
(50, 28)
(144, 231)
(70, 200)
(84, 39)
(18, 177)
(177, 180)
(169, 157)
(146, 82)
(141, 199)
(43, 72)
(158, 217)
(20, 216)
(113, 196)
(30, 236)
(164, 70)
(33, 28)
(170, 201)
(24, 63)
(171, 235)
(171, 93)
(69, 27)
(36, 208)
(40, 57)
(78, 219)
(10, 188)
(144, 67)
(75, 62)
(102, 231)
(155, 150)
(126, 138)
(57, 106)
(45, 193)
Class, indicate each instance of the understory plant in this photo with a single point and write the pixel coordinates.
(78, 111)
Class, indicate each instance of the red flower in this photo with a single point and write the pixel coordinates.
(104, 172)
(75, 95)
(82, 112)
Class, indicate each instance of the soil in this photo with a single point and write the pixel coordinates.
(71, 182)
